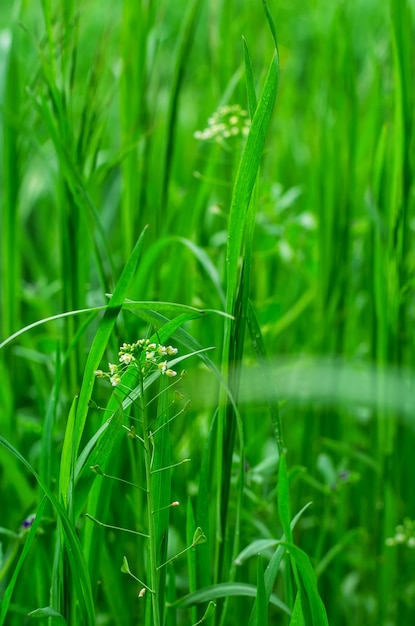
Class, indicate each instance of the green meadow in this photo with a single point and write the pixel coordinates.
(207, 323)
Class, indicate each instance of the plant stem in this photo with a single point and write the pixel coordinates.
(154, 576)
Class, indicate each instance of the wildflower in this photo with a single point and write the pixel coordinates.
(227, 122)
(27, 523)
(147, 354)
(127, 358)
(115, 380)
(404, 534)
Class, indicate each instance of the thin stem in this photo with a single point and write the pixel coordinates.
(125, 530)
(154, 577)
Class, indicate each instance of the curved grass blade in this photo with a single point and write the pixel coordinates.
(47, 611)
(226, 590)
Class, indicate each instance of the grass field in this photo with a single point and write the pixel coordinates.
(207, 342)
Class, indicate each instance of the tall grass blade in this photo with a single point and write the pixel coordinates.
(241, 220)
(314, 613)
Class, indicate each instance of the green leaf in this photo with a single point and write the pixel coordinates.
(225, 590)
(47, 611)
(261, 598)
(256, 547)
(314, 612)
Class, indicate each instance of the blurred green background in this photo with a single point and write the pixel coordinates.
(99, 106)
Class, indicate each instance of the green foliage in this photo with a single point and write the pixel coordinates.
(236, 178)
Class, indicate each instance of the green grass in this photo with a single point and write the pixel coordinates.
(280, 262)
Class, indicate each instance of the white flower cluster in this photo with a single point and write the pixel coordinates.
(145, 355)
(227, 122)
(404, 534)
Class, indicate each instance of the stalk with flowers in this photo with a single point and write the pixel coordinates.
(144, 362)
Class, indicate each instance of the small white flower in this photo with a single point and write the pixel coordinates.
(170, 373)
(113, 368)
(115, 380)
(127, 358)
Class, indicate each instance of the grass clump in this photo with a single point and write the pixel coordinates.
(206, 174)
